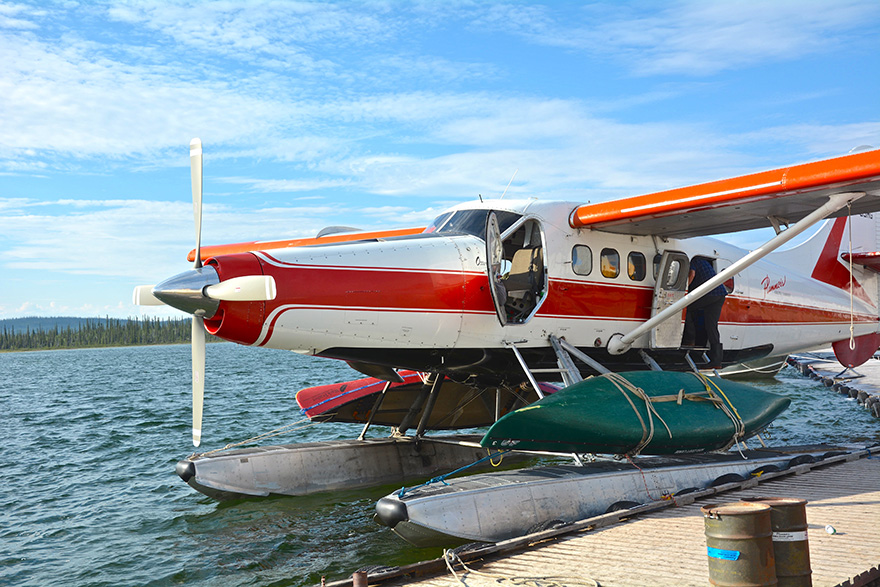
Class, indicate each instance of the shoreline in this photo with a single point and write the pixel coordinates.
(101, 346)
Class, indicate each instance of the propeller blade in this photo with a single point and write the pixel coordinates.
(248, 288)
(198, 376)
(143, 296)
(195, 164)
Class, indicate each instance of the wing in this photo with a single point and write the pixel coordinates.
(214, 250)
(740, 203)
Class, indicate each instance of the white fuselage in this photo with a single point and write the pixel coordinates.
(395, 298)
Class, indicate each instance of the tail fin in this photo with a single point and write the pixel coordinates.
(839, 245)
(824, 253)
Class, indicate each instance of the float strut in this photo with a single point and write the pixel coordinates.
(376, 405)
(429, 405)
(417, 405)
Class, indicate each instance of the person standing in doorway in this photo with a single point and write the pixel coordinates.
(706, 310)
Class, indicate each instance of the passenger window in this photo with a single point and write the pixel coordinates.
(636, 266)
(582, 260)
(609, 263)
(656, 269)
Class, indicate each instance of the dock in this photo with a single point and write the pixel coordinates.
(663, 542)
(861, 384)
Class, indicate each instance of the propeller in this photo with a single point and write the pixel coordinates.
(143, 296)
(199, 292)
(198, 376)
(198, 323)
(195, 168)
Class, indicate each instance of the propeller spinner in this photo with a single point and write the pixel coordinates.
(199, 292)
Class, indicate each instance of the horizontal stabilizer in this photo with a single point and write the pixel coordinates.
(867, 260)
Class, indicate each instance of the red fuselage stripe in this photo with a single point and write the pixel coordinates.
(445, 291)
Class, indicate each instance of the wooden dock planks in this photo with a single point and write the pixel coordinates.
(668, 547)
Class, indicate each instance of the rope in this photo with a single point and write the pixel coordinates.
(644, 480)
(442, 478)
(450, 558)
(663, 495)
(303, 411)
(852, 338)
(623, 385)
(302, 424)
(739, 428)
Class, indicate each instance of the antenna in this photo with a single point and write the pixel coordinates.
(508, 184)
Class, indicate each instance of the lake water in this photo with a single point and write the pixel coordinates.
(90, 439)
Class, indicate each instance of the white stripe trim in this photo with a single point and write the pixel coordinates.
(264, 331)
(701, 196)
(286, 265)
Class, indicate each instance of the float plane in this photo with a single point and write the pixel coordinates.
(505, 295)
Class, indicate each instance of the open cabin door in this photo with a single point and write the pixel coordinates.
(494, 258)
(516, 269)
(671, 286)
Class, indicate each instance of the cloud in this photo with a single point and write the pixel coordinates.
(691, 37)
(703, 38)
(284, 185)
(274, 34)
(146, 240)
(64, 101)
(241, 77)
(109, 238)
(10, 12)
(235, 75)
(822, 139)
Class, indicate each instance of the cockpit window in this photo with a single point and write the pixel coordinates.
(438, 222)
(470, 222)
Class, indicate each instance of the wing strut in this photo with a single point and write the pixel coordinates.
(620, 343)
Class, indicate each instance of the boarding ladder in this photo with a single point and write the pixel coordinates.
(566, 353)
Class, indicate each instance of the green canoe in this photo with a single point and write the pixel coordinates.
(609, 414)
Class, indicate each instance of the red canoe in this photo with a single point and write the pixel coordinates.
(457, 406)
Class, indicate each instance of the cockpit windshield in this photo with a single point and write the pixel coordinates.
(470, 222)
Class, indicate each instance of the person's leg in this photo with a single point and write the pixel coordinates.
(712, 313)
(702, 339)
(690, 328)
(693, 324)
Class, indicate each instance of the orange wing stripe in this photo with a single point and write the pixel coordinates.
(839, 171)
(215, 250)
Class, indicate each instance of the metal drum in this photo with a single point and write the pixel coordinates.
(740, 545)
(788, 518)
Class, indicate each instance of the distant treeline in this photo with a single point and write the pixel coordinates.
(98, 333)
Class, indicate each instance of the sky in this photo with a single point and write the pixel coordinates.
(380, 114)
